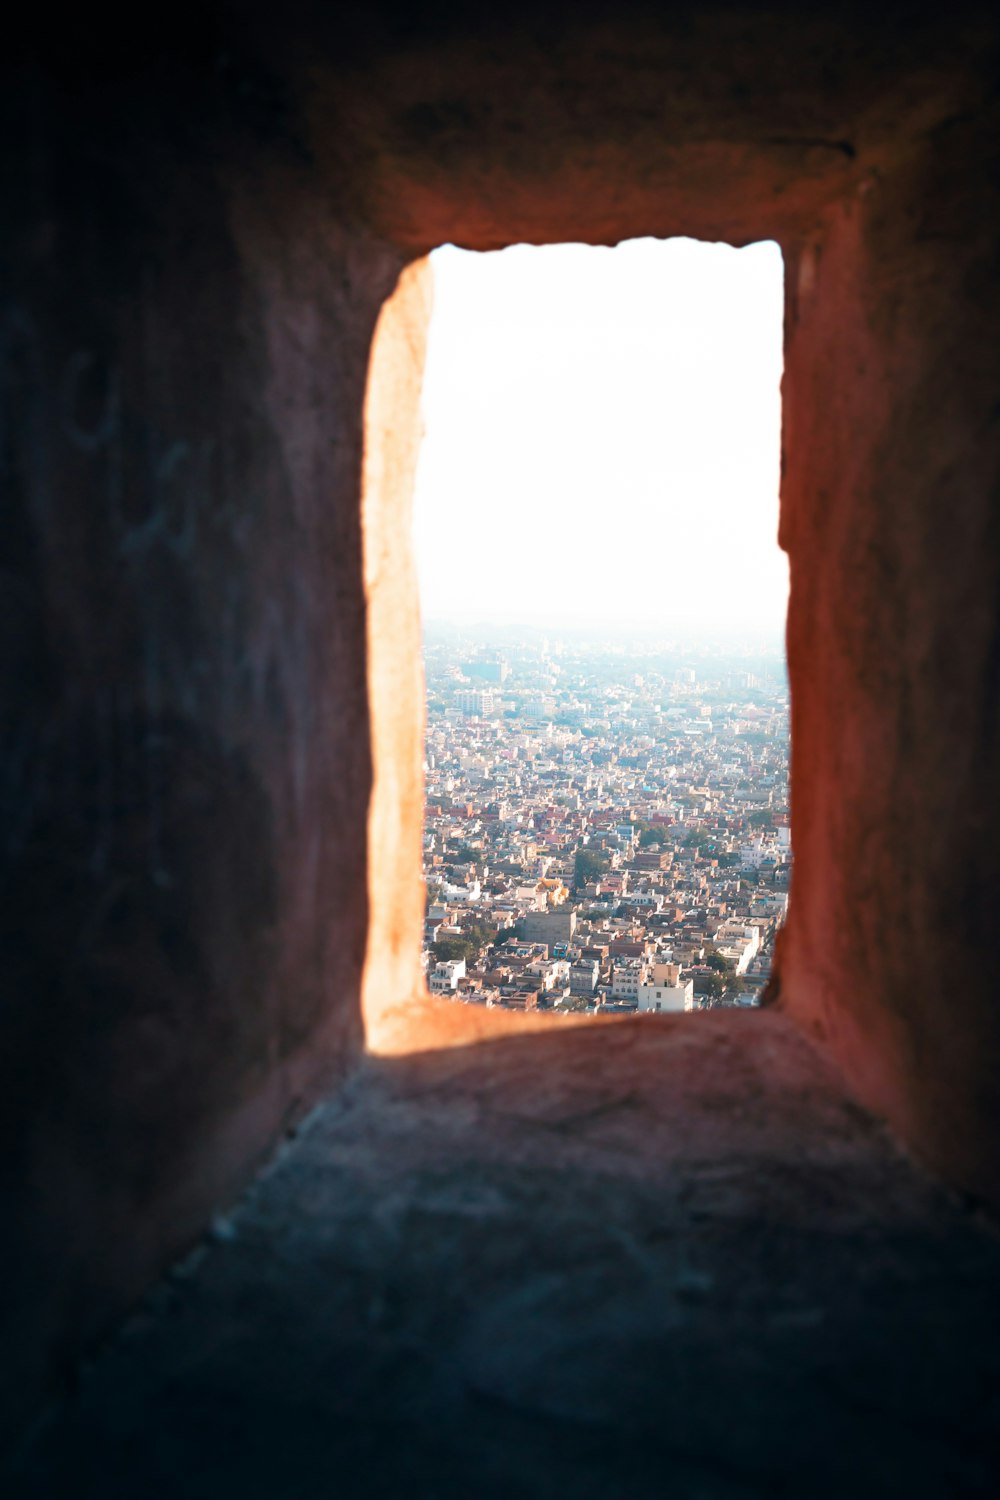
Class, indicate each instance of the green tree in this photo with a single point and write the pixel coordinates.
(461, 853)
(710, 984)
(445, 950)
(478, 934)
(588, 866)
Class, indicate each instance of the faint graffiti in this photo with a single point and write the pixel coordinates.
(97, 750)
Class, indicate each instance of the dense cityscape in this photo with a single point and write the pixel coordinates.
(607, 823)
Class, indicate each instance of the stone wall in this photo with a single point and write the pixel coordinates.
(889, 514)
(186, 764)
(204, 660)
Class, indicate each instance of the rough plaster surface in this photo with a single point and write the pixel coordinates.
(393, 431)
(658, 1258)
(186, 766)
(889, 515)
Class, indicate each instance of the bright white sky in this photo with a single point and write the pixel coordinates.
(602, 437)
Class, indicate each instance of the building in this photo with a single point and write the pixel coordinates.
(646, 860)
(629, 974)
(548, 927)
(738, 942)
(472, 701)
(531, 897)
(656, 996)
(443, 978)
(583, 976)
(550, 973)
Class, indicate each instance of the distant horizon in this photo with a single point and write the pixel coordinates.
(642, 633)
(602, 440)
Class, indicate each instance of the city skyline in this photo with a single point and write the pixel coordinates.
(604, 832)
(615, 469)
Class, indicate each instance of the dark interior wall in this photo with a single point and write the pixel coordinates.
(185, 762)
(197, 241)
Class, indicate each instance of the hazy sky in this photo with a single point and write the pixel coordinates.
(602, 437)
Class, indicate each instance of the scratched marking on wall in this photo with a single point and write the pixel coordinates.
(261, 651)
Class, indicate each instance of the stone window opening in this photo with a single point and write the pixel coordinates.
(393, 454)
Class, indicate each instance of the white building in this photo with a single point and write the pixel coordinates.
(443, 978)
(752, 855)
(665, 997)
(531, 897)
(738, 943)
(462, 893)
(550, 973)
(472, 701)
